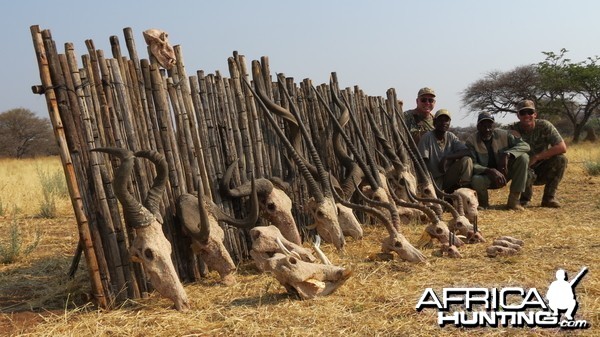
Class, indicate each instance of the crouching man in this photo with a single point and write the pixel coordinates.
(498, 157)
(547, 155)
(447, 158)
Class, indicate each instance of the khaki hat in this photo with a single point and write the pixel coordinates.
(525, 104)
(442, 112)
(426, 91)
(484, 116)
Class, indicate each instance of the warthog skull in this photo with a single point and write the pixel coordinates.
(295, 269)
(150, 247)
(160, 47)
(505, 246)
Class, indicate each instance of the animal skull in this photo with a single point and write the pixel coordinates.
(160, 47)
(348, 222)
(304, 278)
(505, 246)
(469, 202)
(150, 247)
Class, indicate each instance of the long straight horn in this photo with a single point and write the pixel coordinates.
(323, 175)
(385, 144)
(313, 186)
(155, 193)
(362, 140)
(135, 214)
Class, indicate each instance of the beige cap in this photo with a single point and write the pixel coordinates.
(442, 112)
(525, 104)
(426, 91)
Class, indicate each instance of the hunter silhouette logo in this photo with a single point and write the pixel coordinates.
(561, 294)
(509, 306)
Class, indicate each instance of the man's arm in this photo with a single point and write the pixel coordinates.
(554, 150)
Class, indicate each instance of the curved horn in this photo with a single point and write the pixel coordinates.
(323, 175)
(263, 186)
(155, 193)
(312, 183)
(428, 211)
(250, 220)
(371, 210)
(135, 214)
(361, 163)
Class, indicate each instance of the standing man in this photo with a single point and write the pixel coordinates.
(447, 158)
(547, 160)
(498, 157)
(420, 119)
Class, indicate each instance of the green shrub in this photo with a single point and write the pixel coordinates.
(53, 185)
(592, 167)
(13, 250)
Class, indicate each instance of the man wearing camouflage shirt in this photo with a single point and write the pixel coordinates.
(420, 119)
(547, 162)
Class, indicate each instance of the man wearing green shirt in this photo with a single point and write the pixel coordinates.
(547, 155)
(420, 119)
(498, 157)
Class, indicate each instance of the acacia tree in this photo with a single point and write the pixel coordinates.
(569, 91)
(22, 134)
(572, 89)
(499, 92)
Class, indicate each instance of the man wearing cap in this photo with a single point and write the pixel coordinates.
(420, 119)
(447, 158)
(547, 160)
(498, 157)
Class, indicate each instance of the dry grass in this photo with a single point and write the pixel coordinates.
(37, 299)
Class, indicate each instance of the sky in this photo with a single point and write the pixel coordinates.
(375, 45)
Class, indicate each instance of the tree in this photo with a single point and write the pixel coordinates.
(499, 92)
(24, 134)
(561, 90)
(572, 89)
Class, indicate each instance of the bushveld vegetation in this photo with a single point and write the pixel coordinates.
(37, 298)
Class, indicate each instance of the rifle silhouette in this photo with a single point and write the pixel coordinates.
(575, 280)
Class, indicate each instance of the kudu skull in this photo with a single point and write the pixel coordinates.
(150, 247)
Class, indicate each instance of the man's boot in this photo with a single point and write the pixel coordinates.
(551, 202)
(513, 201)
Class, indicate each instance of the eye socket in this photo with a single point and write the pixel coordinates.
(459, 224)
(271, 206)
(398, 244)
(320, 214)
(377, 198)
(427, 191)
(148, 254)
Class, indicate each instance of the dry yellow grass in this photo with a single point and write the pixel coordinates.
(37, 299)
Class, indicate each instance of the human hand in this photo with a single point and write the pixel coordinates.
(498, 179)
